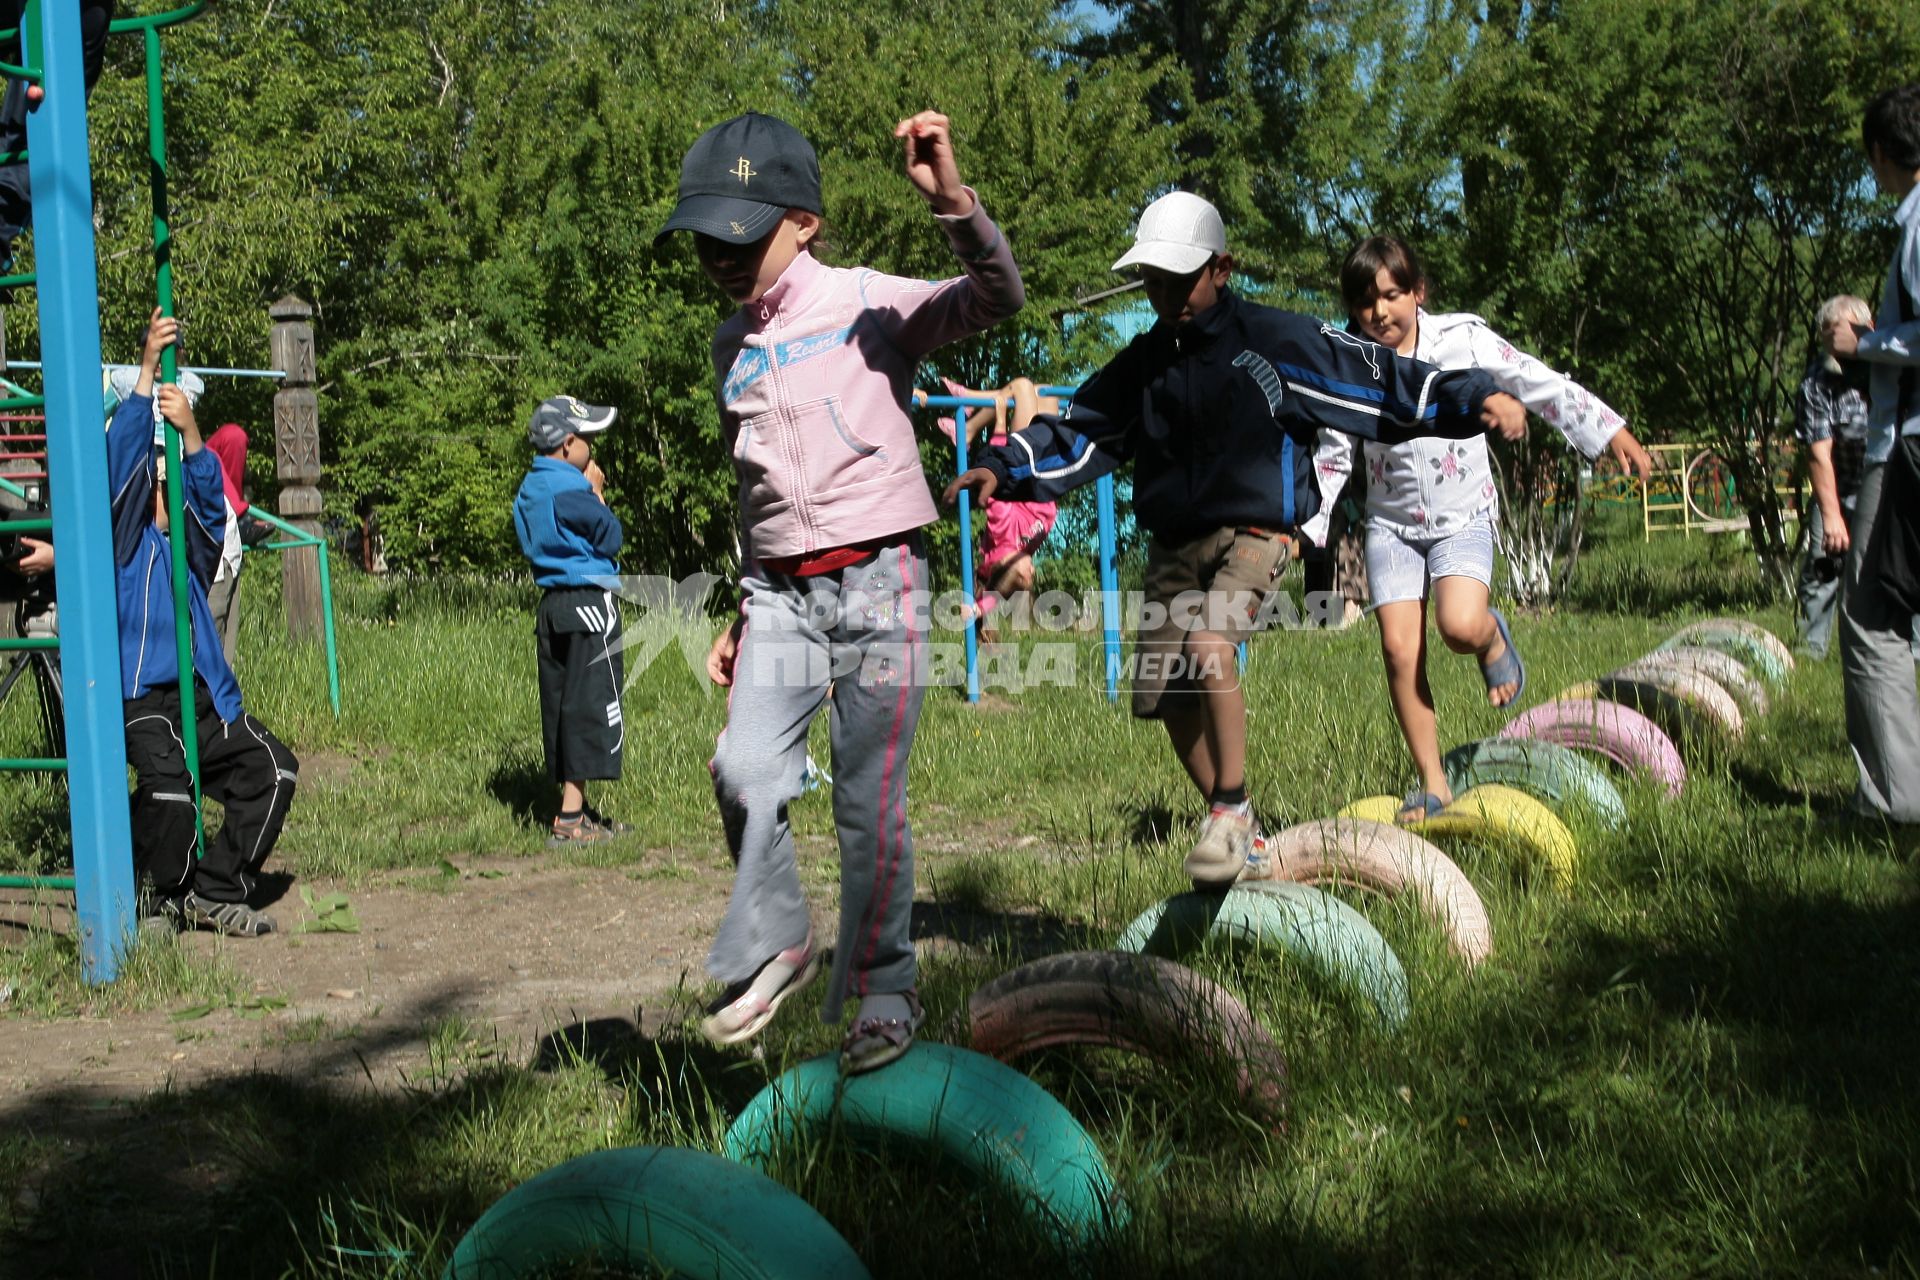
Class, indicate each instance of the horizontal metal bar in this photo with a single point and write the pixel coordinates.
(34, 764)
(36, 882)
(28, 642)
(155, 21)
(26, 526)
(224, 372)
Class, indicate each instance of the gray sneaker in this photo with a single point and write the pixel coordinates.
(1220, 854)
(234, 919)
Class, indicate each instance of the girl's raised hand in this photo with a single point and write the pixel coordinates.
(930, 164)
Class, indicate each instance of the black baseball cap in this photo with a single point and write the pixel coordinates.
(562, 416)
(741, 176)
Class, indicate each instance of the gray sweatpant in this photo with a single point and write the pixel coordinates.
(1883, 709)
(852, 632)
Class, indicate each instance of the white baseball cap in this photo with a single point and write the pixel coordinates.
(1178, 232)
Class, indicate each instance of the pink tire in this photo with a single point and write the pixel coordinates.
(1723, 669)
(1619, 733)
(1704, 704)
(1389, 860)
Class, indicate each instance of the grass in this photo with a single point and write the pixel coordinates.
(1701, 1062)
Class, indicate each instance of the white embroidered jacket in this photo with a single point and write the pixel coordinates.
(1427, 487)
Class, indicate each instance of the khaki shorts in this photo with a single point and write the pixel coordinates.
(1215, 583)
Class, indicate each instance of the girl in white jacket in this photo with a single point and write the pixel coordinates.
(1431, 502)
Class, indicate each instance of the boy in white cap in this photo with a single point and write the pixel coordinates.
(1218, 405)
(241, 763)
(570, 537)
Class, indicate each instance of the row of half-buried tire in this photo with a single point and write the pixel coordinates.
(699, 1215)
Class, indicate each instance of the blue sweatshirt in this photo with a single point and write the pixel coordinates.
(1219, 417)
(143, 563)
(566, 533)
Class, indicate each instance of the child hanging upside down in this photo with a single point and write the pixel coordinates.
(1431, 503)
(813, 375)
(1015, 529)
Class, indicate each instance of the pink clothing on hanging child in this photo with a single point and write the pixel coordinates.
(1014, 528)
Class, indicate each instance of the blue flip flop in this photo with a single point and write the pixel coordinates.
(1507, 668)
(1429, 804)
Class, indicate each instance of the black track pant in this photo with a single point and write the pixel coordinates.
(581, 727)
(242, 765)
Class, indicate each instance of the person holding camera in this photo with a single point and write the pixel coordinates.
(1831, 421)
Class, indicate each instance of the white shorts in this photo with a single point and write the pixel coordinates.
(1400, 568)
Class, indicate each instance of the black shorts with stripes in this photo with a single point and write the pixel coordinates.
(581, 727)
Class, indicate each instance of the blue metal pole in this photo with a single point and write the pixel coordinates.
(1109, 584)
(966, 552)
(77, 467)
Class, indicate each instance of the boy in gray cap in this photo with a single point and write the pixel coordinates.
(570, 537)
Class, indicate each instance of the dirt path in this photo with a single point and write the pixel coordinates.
(506, 953)
(484, 964)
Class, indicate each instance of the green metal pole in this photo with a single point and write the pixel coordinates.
(326, 620)
(176, 476)
(297, 537)
(36, 882)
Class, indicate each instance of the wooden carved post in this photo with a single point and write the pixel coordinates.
(296, 435)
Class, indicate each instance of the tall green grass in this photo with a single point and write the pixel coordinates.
(1699, 1062)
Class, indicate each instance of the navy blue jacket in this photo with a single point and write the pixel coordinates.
(1220, 416)
(566, 533)
(143, 563)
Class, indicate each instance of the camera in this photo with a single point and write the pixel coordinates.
(1826, 568)
(14, 584)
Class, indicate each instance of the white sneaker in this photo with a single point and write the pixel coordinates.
(1221, 852)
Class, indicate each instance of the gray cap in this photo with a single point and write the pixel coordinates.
(741, 176)
(556, 419)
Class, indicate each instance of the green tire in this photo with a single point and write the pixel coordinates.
(656, 1209)
(1753, 644)
(978, 1114)
(1554, 773)
(1298, 919)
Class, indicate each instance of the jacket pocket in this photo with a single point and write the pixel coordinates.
(832, 453)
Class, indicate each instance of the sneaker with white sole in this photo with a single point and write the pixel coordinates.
(1258, 865)
(1221, 852)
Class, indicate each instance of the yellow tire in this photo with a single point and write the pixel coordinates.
(1489, 812)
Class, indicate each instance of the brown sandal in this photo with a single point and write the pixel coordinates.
(872, 1043)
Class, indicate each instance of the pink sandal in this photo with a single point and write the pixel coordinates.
(747, 1014)
(874, 1042)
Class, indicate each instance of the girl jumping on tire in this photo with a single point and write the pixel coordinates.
(814, 372)
(1431, 502)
